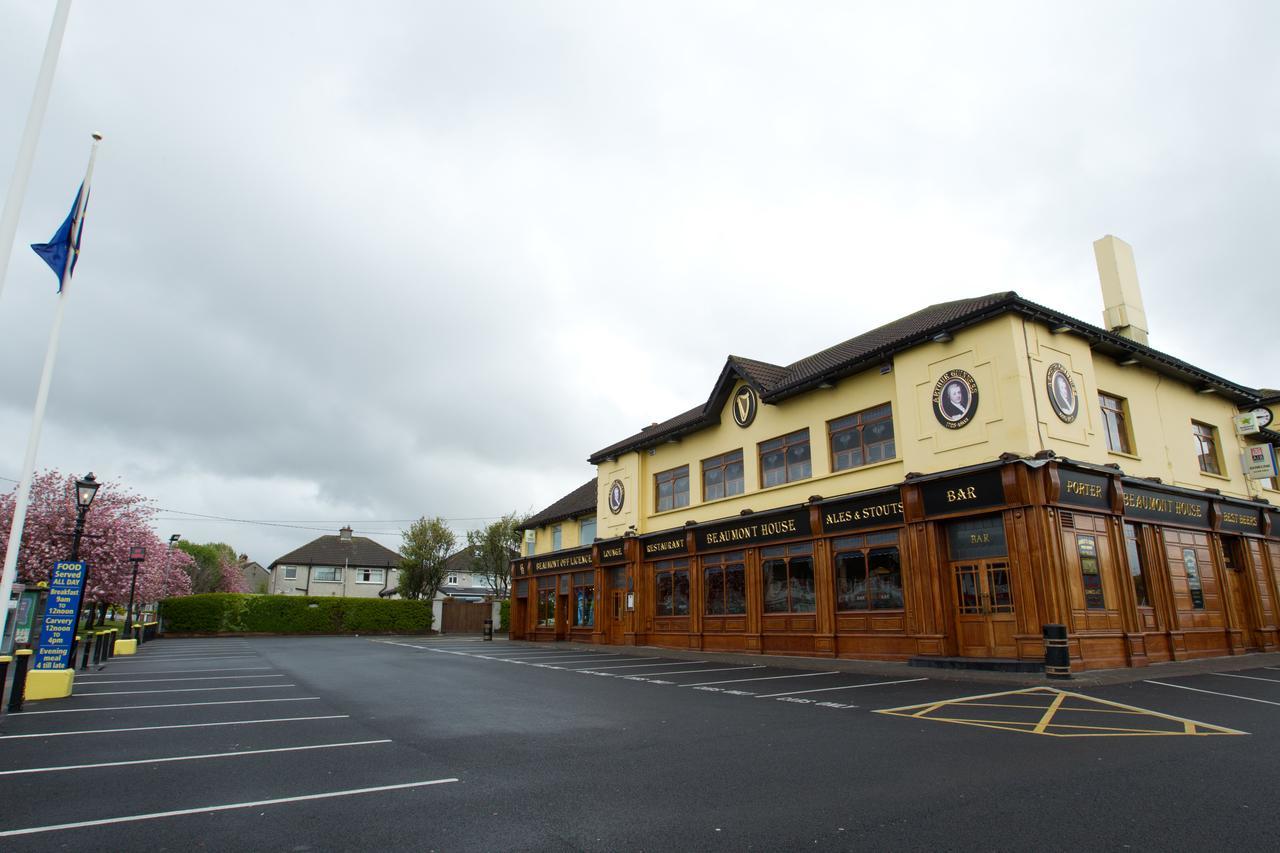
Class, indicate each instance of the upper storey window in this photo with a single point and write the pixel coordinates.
(862, 438)
(722, 476)
(1115, 423)
(672, 488)
(1206, 438)
(785, 459)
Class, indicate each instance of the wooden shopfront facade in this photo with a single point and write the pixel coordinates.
(967, 564)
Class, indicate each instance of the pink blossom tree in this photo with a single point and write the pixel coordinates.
(118, 520)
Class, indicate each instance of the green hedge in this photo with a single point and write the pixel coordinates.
(235, 613)
(504, 616)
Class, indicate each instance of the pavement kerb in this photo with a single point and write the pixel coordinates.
(895, 669)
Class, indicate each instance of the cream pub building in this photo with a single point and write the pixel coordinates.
(937, 489)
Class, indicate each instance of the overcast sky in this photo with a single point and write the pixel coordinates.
(366, 262)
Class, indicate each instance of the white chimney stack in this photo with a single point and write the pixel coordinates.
(344, 534)
(1121, 296)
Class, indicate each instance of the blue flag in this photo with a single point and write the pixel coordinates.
(64, 243)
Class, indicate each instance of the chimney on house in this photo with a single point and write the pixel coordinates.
(344, 534)
(1121, 296)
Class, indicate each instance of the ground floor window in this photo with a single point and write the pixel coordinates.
(868, 572)
(1090, 573)
(788, 578)
(725, 582)
(547, 608)
(584, 597)
(1193, 578)
(671, 585)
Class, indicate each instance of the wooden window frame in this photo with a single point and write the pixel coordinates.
(1207, 434)
(1120, 415)
(673, 568)
(857, 422)
(788, 441)
(865, 545)
(722, 563)
(721, 463)
(787, 555)
(588, 584)
(546, 593)
(674, 475)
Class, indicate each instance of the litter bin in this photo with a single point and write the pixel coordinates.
(488, 629)
(1057, 653)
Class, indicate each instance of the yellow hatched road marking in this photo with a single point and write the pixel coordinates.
(1057, 704)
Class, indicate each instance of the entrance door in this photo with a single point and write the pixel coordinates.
(1237, 579)
(985, 622)
(617, 611)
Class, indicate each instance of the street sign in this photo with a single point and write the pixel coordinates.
(1247, 424)
(59, 630)
(1259, 462)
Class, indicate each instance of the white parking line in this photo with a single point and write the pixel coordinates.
(176, 705)
(762, 678)
(197, 678)
(696, 671)
(188, 690)
(1250, 677)
(220, 808)
(1214, 692)
(629, 658)
(570, 659)
(177, 726)
(647, 665)
(190, 757)
(183, 671)
(846, 687)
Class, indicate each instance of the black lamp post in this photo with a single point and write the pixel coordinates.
(136, 555)
(85, 490)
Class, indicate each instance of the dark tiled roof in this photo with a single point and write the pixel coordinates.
(775, 383)
(578, 502)
(1269, 396)
(335, 551)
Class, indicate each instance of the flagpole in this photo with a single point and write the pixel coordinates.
(27, 147)
(23, 495)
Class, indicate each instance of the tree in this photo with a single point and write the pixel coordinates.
(117, 520)
(214, 568)
(427, 545)
(491, 551)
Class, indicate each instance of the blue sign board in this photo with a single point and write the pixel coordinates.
(59, 631)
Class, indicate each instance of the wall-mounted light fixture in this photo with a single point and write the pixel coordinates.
(943, 337)
(1128, 362)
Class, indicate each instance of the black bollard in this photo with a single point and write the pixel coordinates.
(1057, 655)
(19, 690)
(88, 650)
(111, 642)
(4, 671)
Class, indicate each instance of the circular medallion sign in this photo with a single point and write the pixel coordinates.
(1062, 392)
(955, 399)
(617, 495)
(744, 406)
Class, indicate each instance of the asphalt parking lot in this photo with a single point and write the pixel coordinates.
(458, 744)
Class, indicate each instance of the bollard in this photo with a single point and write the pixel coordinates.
(88, 650)
(4, 672)
(111, 642)
(488, 629)
(1057, 655)
(19, 679)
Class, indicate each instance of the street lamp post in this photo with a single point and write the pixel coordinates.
(136, 555)
(85, 490)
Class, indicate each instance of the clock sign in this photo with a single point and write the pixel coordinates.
(1263, 414)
